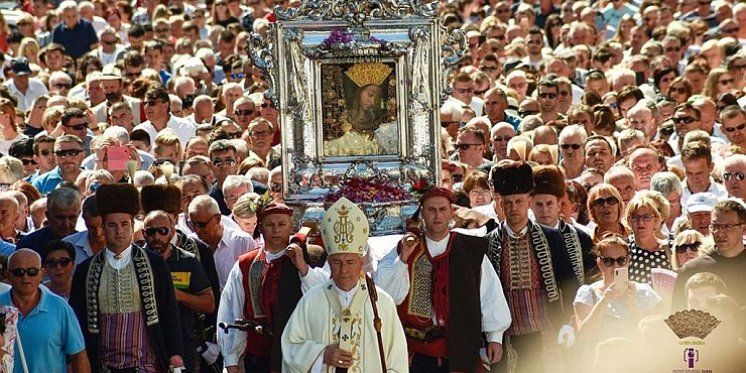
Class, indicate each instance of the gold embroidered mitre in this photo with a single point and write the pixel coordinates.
(366, 73)
(344, 228)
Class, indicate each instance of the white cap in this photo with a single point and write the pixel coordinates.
(192, 66)
(701, 202)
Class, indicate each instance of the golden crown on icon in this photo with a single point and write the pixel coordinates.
(692, 323)
(366, 73)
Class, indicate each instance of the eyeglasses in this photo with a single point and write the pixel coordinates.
(610, 262)
(234, 135)
(734, 129)
(638, 218)
(108, 42)
(20, 272)
(77, 127)
(134, 75)
(480, 92)
(220, 161)
(610, 201)
(573, 146)
(153, 102)
(202, 225)
(260, 133)
(465, 146)
(547, 95)
(524, 113)
(685, 120)
(27, 161)
(478, 193)
(160, 230)
(502, 138)
(723, 227)
(683, 248)
(679, 90)
(731, 175)
(61, 263)
(61, 85)
(68, 152)
(445, 124)
(246, 112)
(725, 81)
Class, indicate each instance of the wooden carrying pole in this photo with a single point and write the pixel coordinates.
(376, 319)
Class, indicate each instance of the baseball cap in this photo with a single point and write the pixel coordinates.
(701, 202)
(20, 66)
(111, 73)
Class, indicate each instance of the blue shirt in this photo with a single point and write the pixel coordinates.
(49, 333)
(82, 246)
(48, 181)
(77, 40)
(6, 248)
(36, 240)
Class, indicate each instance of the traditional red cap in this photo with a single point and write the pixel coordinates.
(274, 208)
(438, 191)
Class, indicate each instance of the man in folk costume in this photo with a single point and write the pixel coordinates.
(536, 272)
(123, 296)
(347, 323)
(549, 189)
(454, 294)
(262, 289)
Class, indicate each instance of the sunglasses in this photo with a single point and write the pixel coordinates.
(202, 225)
(61, 85)
(266, 105)
(446, 124)
(685, 120)
(573, 146)
(160, 230)
(77, 127)
(260, 133)
(610, 201)
(731, 175)
(683, 248)
(547, 95)
(672, 49)
(734, 129)
(27, 162)
(679, 90)
(725, 81)
(502, 138)
(619, 262)
(246, 112)
(54, 263)
(67, 153)
(220, 161)
(465, 146)
(46, 152)
(106, 42)
(524, 113)
(20, 272)
(234, 135)
(237, 76)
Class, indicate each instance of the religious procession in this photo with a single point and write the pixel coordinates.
(473, 186)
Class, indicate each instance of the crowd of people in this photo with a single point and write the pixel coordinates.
(592, 183)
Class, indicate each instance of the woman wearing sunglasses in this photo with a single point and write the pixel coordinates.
(646, 249)
(605, 308)
(605, 206)
(687, 245)
(58, 259)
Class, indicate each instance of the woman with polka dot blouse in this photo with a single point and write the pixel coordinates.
(646, 250)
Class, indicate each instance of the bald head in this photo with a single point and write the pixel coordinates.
(156, 216)
(24, 258)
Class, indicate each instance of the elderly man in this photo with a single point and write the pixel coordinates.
(599, 153)
(269, 298)
(623, 179)
(734, 179)
(644, 162)
(260, 133)
(224, 158)
(24, 88)
(571, 143)
(49, 330)
(244, 112)
(127, 289)
(91, 241)
(63, 209)
(75, 34)
(733, 120)
(9, 211)
(669, 186)
(226, 244)
(192, 288)
(114, 90)
(495, 103)
(231, 92)
(234, 187)
(500, 134)
(60, 83)
(698, 208)
(341, 306)
(640, 117)
(157, 111)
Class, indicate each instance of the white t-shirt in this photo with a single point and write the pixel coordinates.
(5, 144)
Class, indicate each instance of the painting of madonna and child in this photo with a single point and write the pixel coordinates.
(359, 109)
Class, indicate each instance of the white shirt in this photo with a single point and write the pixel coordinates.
(124, 258)
(5, 144)
(477, 104)
(717, 189)
(25, 101)
(393, 277)
(232, 245)
(227, 222)
(183, 128)
(232, 301)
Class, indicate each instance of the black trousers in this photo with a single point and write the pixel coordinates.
(256, 364)
(428, 364)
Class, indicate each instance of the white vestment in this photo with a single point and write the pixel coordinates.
(318, 322)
